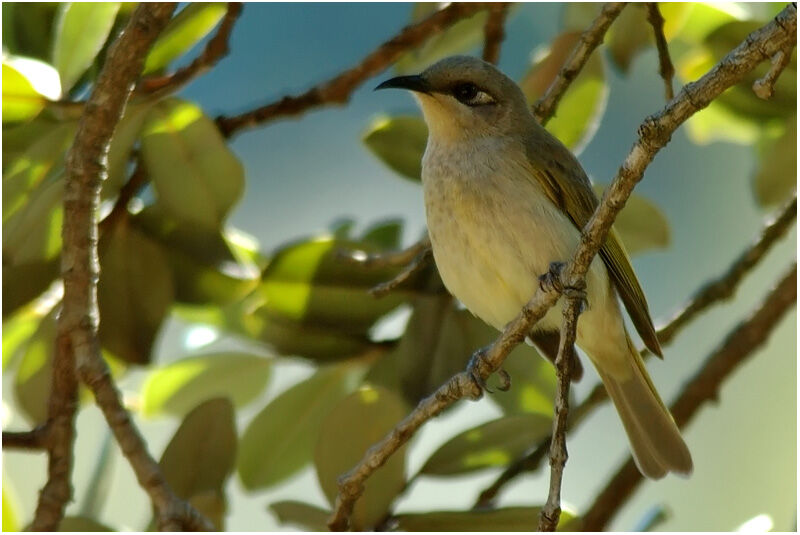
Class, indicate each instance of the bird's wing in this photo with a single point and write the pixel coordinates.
(573, 193)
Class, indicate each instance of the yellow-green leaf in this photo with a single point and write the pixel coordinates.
(185, 30)
(776, 176)
(301, 514)
(399, 142)
(80, 33)
(20, 100)
(32, 380)
(352, 426)
(10, 509)
(196, 176)
(185, 383)
(641, 224)
(33, 233)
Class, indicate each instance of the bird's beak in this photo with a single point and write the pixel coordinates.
(412, 83)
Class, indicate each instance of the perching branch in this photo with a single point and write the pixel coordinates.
(493, 32)
(338, 89)
(666, 69)
(654, 133)
(740, 343)
(545, 107)
(711, 293)
(77, 331)
(215, 50)
(765, 87)
(551, 512)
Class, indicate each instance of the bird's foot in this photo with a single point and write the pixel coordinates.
(479, 367)
(551, 281)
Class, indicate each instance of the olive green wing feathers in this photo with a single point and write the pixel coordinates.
(573, 193)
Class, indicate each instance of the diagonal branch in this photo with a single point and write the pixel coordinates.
(711, 293)
(765, 87)
(545, 107)
(77, 336)
(215, 50)
(665, 67)
(493, 31)
(338, 89)
(654, 133)
(740, 343)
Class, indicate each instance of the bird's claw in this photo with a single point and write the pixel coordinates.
(551, 280)
(505, 380)
(478, 368)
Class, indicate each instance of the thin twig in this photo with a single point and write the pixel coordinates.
(665, 67)
(740, 343)
(86, 167)
(493, 32)
(338, 89)
(390, 259)
(711, 293)
(654, 133)
(416, 265)
(551, 512)
(764, 87)
(545, 107)
(35, 439)
(215, 50)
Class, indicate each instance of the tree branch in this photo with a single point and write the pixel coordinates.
(740, 343)
(35, 439)
(551, 512)
(764, 87)
(493, 31)
(339, 89)
(711, 293)
(545, 107)
(654, 133)
(86, 168)
(215, 50)
(666, 69)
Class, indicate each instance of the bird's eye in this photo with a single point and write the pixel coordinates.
(469, 94)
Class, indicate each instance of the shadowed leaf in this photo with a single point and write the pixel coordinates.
(32, 380)
(776, 176)
(301, 514)
(641, 224)
(507, 519)
(25, 282)
(629, 35)
(399, 142)
(352, 426)
(33, 233)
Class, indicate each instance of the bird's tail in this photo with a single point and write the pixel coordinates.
(656, 442)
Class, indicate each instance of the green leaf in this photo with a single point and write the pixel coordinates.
(24, 282)
(134, 293)
(533, 381)
(201, 455)
(206, 268)
(280, 440)
(641, 224)
(126, 134)
(493, 444)
(33, 234)
(578, 115)
(28, 29)
(399, 142)
(776, 177)
(11, 511)
(16, 330)
(629, 35)
(301, 514)
(81, 31)
(41, 161)
(184, 31)
(81, 523)
(352, 426)
(506, 519)
(458, 38)
(196, 176)
(384, 235)
(33, 377)
(21, 101)
(185, 383)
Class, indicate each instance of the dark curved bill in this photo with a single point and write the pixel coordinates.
(412, 83)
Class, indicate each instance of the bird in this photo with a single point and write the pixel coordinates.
(505, 201)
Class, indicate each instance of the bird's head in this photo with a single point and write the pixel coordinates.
(464, 97)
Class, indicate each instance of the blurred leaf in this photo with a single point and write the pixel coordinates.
(184, 31)
(301, 514)
(458, 38)
(384, 235)
(493, 444)
(25, 282)
(28, 28)
(675, 15)
(185, 383)
(42, 159)
(533, 381)
(81, 30)
(32, 380)
(134, 293)
(97, 490)
(353, 425)
(196, 176)
(577, 16)
(629, 35)
(81, 523)
(213, 505)
(506, 519)
(125, 136)
(33, 233)
(20, 100)
(580, 110)
(399, 142)
(204, 266)
(16, 331)
(641, 223)
(776, 177)
(10, 508)
(280, 440)
(702, 18)
(201, 455)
